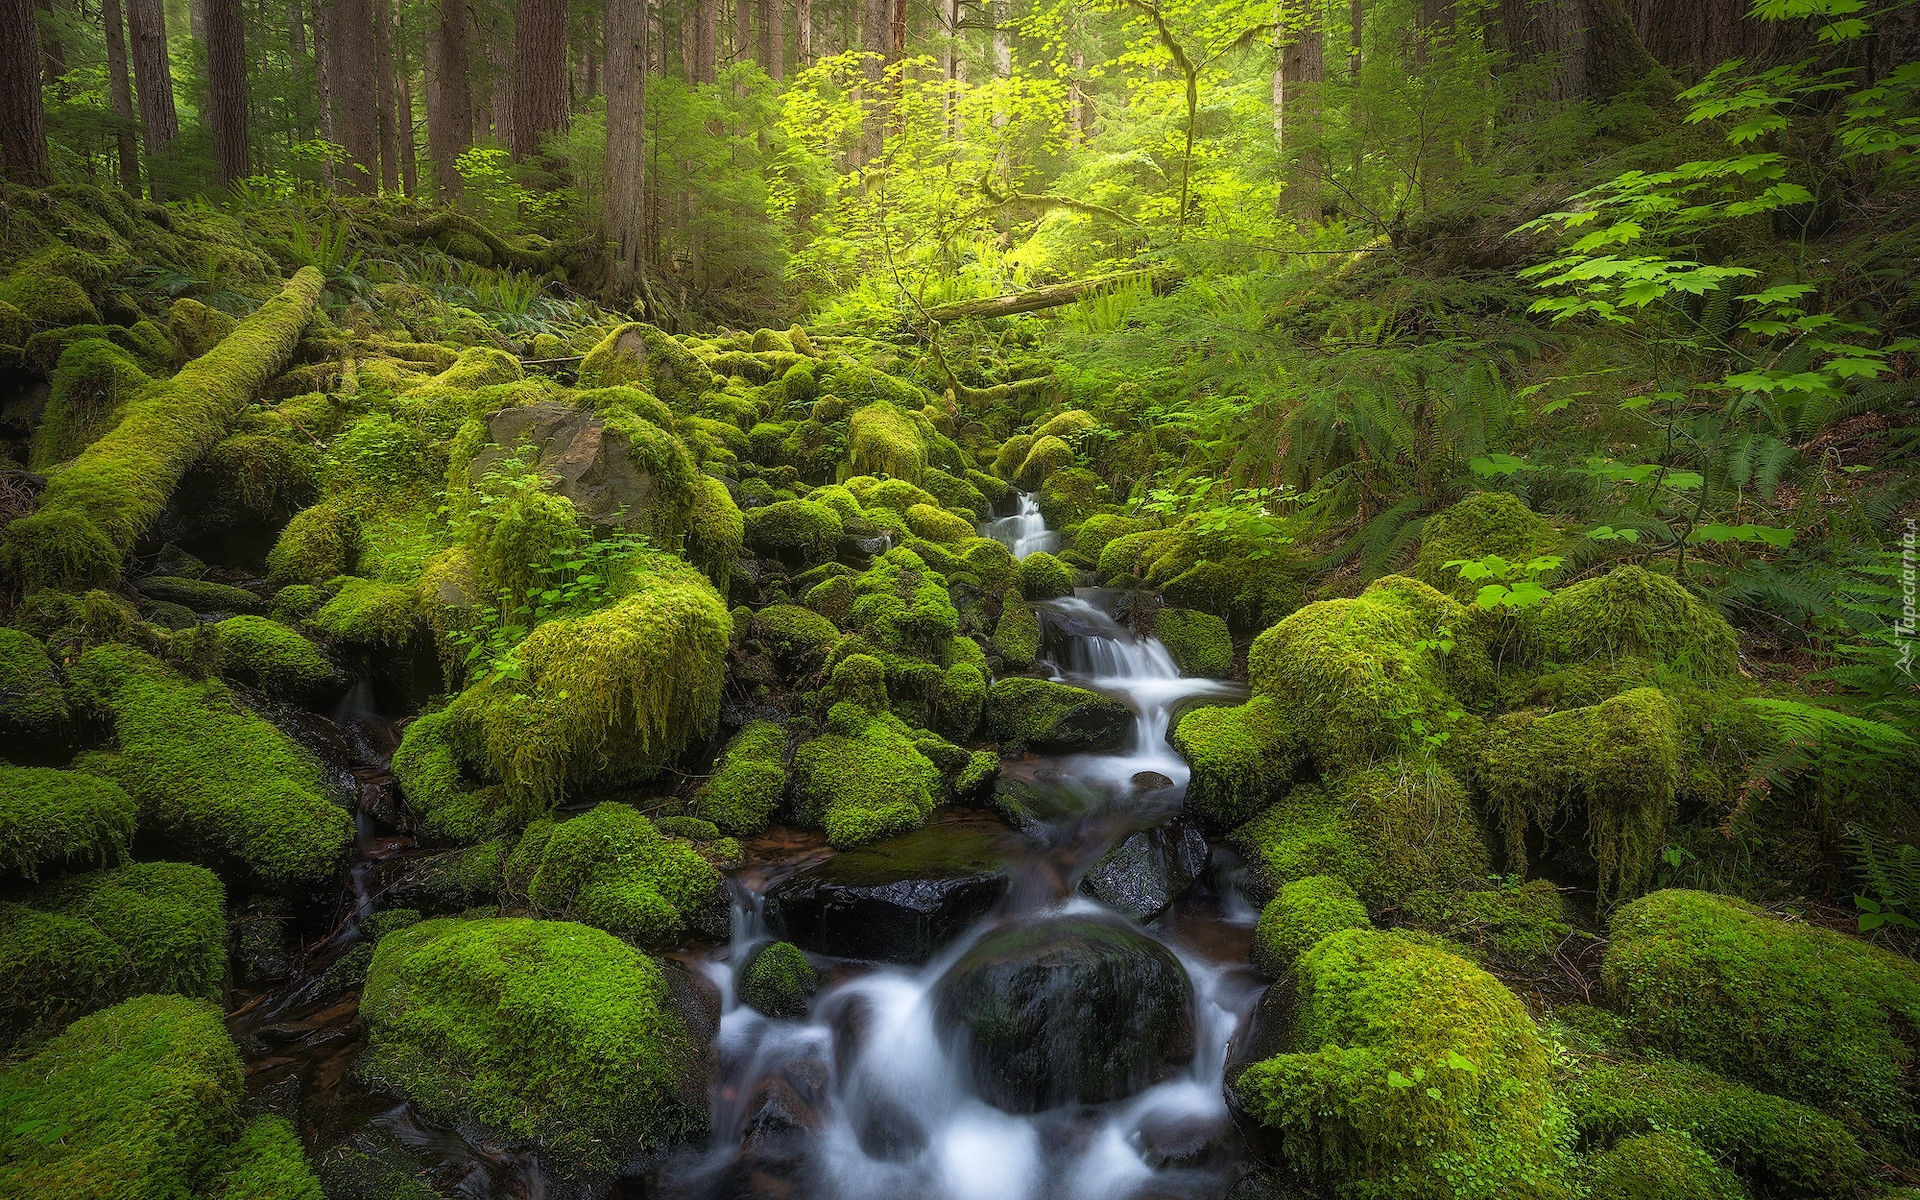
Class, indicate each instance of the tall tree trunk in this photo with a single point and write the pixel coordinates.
(706, 40)
(385, 121)
(540, 73)
(802, 34)
(1355, 21)
(53, 53)
(627, 54)
(197, 20)
(1296, 117)
(1691, 39)
(449, 112)
(121, 89)
(322, 83)
(227, 90)
(23, 122)
(500, 81)
(1591, 44)
(351, 49)
(153, 79)
(403, 103)
(296, 31)
(742, 32)
(772, 36)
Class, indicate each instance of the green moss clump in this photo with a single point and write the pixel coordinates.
(1016, 635)
(544, 1032)
(1611, 769)
(1198, 642)
(1414, 1073)
(1660, 1166)
(1023, 711)
(144, 1095)
(1519, 926)
(610, 868)
(320, 542)
(963, 697)
(691, 828)
(883, 440)
(52, 286)
(1304, 912)
(749, 782)
(865, 778)
(937, 524)
(92, 940)
(49, 818)
(1243, 759)
(639, 354)
(265, 1163)
(1482, 524)
(1797, 1009)
(902, 606)
(1069, 497)
(605, 697)
(800, 529)
(1049, 454)
(92, 512)
(366, 613)
(32, 702)
(1043, 577)
(952, 491)
(511, 542)
(897, 495)
(716, 530)
(1095, 533)
(778, 981)
(217, 779)
(91, 384)
(196, 327)
(1632, 613)
(273, 657)
(794, 633)
(201, 595)
(449, 805)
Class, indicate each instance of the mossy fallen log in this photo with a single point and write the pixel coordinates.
(1053, 296)
(94, 510)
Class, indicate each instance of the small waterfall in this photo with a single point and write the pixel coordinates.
(1025, 532)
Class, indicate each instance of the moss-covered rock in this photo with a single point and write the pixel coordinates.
(778, 981)
(1047, 455)
(610, 868)
(1304, 912)
(319, 543)
(1016, 635)
(937, 524)
(52, 286)
(1632, 613)
(200, 595)
(1797, 1009)
(641, 355)
(33, 704)
(1043, 577)
(91, 385)
(793, 633)
(963, 699)
(439, 791)
(363, 612)
(749, 781)
(902, 606)
(89, 941)
(196, 327)
(547, 1033)
(1660, 1166)
(800, 530)
(265, 1162)
(1243, 758)
(1099, 530)
(716, 530)
(52, 818)
(882, 439)
(1053, 717)
(1411, 1073)
(133, 1102)
(273, 657)
(1068, 497)
(212, 777)
(1519, 927)
(1482, 524)
(1198, 642)
(866, 777)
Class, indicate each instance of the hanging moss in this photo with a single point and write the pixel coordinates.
(91, 387)
(1295, 921)
(1198, 642)
(1797, 1009)
(1016, 635)
(92, 512)
(606, 697)
(319, 543)
(799, 529)
(547, 1033)
(883, 440)
(1243, 759)
(92, 940)
(1043, 577)
(1611, 769)
(1632, 613)
(218, 780)
(273, 658)
(749, 781)
(778, 981)
(1482, 524)
(610, 868)
(145, 1094)
(1413, 1074)
(641, 355)
(32, 701)
(52, 818)
(1049, 454)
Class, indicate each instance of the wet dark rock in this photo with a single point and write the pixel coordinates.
(380, 799)
(1150, 781)
(1076, 1009)
(174, 561)
(1174, 1140)
(1149, 870)
(261, 953)
(896, 901)
(449, 882)
(890, 1133)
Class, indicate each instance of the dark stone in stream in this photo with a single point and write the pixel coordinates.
(1075, 1009)
(1150, 781)
(1167, 1140)
(260, 954)
(896, 901)
(1149, 870)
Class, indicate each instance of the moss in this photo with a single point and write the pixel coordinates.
(1043, 577)
(295, 602)
(1037, 711)
(1521, 926)
(365, 613)
(32, 702)
(1016, 635)
(265, 1163)
(44, 287)
(49, 818)
(1800, 1010)
(1304, 912)
(778, 981)
(69, 625)
(1049, 454)
(93, 940)
(897, 495)
(610, 868)
(1660, 1166)
(794, 633)
(91, 385)
(1482, 524)
(319, 543)
(149, 345)
(749, 781)
(1389, 831)
(212, 777)
(954, 492)
(542, 1032)
(1243, 758)
(273, 657)
(883, 440)
(1069, 496)
(141, 1097)
(641, 355)
(861, 385)
(196, 327)
(798, 529)
(1632, 613)
(92, 512)
(427, 766)
(201, 595)
(1198, 642)
(691, 828)
(865, 778)
(1413, 1074)
(1610, 769)
(1067, 425)
(937, 524)
(1099, 530)
(605, 697)
(902, 606)
(716, 530)
(963, 697)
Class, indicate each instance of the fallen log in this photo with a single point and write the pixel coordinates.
(1052, 296)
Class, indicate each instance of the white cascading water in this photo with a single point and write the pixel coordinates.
(1025, 532)
(891, 1112)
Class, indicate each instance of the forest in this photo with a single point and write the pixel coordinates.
(969, 599)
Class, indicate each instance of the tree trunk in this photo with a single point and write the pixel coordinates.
(742, 32)
(626, 211)
(296, 31)
(1591, 43)
(1355, 21)
(153, 78)
(802, 34)
(706, 40)
(23, 122)
(539, 74)
(1035, 299)
(322, 83)
(197, 20)
(771, 36)
(449, 114)
(403, 103)
(500, 89)
(1296, 105)
(53, 54)
(1692, 39)
(227, 90)
(353, 71)
(121, 89)
(385, 123)
(1077, 121)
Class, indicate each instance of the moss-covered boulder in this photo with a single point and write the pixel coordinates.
(801, 531)
(777, 981)
(550, 1034)
(364, 612)
(442, 793)
(749, 781)
(1043, 577)
(1098, 530)
(901, 605)
(1304, 912)
(33, 704)
(1199, 643)
(794, 634)
(274, 658)
(1660, 1166)
(1409, 1072)
(962, 701)
(91, 385)
(320, 543)
(1047, 455)
(882, 439)
(639, 354)
(937, 524)
(1794, 1008)
(209, 776)
(1243, 758)
(610, 868)
(266, 1162)
(1632, 613)
(1484, 523)
(865, 778)
(1069, 497)
(1016, 634)
(50, 819)
(53, 286)
(1519, 927)
(1054, 718)
(91, 940)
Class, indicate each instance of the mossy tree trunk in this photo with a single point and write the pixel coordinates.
(449, 113)
(153, 79)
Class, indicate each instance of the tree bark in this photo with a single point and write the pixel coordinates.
(153, 78)
(403, 104)
(449, 113)
(1691, 39)
(500, 89)
(53, 54)
(296, 31)
(539, 74)
(1591, 43)
(706, 40)
(385, 121)
(802, 34)
(772, 39)
(121, 89)
(354, 90)
(627, 54)
(742, 32)
(1296, 94)
(227, 90)
(322, 84)
(23, 122)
